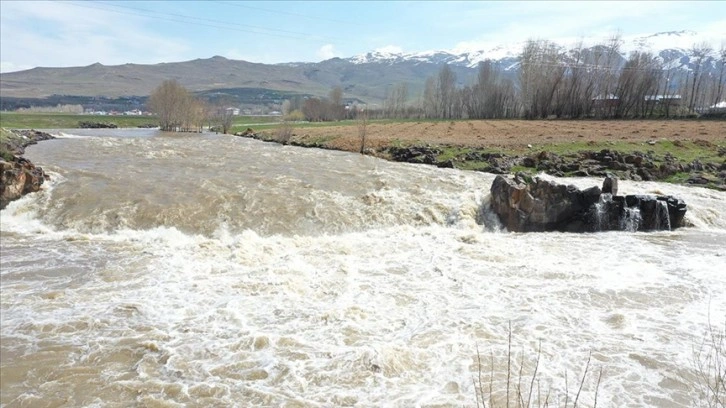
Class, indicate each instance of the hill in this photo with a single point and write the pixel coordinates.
(368, 77)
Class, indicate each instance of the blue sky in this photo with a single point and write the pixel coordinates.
(78, 33)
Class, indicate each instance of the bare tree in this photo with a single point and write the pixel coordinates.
(541, 74)
(701, 53)
(314, 110)
(175, 107)
(446, 91)
(362, 123)
(395, 103)
(430, 99)
(638, 80)
(490, 96)
(605, 62)
(719, 87)
(336, 110)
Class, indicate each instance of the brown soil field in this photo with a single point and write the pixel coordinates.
(512, 134)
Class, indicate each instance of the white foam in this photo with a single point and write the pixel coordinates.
(387, 315)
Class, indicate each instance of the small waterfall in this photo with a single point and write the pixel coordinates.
(601, 213)
(663, 218)
(631, 219)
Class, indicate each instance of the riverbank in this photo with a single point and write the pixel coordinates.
(19, 176)
(681, 152)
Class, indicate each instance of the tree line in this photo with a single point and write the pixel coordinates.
(178, 110)
(589, 82)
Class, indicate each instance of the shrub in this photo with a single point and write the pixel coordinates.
(709, 363)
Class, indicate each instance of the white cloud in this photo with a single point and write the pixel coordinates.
(66, 34)
(327, 51)
(568, 23)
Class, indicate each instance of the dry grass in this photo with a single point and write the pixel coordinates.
(283, 133)
(514, 133)
(521, 395)
(709, 363)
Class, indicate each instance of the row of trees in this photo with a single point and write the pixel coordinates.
(179, 111)
(588, 82)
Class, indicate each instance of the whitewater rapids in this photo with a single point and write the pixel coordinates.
(205, 270)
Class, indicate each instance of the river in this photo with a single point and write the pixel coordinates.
(169, 270)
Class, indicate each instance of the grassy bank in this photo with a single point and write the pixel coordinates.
(16, 120)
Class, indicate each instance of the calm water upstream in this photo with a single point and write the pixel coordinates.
(169, 270)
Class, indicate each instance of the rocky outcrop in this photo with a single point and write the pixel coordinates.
(18, 176)
(637, 166)
(527, 205)
(14, 142)
(97, 125)
(634, 166)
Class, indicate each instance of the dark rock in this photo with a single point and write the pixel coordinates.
(697, 179)
(249, 132)
(637, 161)
(448, 164)
(696, 165)
(529, 162)
(540, 205)
(610, 185)
(96, 125)
(616, 165)
(414, 154)
(570, 167)
(645, 174)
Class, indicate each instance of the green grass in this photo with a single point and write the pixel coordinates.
(240, 127)
(686, 151)
(5, 136)
(274, 121)
(15, 120)
(243, 122)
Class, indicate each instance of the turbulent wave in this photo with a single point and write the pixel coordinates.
(217, 271)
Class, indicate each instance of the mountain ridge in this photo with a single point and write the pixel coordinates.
(368, 77)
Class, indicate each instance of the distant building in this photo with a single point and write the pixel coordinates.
(605, 101)
(663, 100)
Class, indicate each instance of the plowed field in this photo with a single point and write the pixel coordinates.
(513, 134)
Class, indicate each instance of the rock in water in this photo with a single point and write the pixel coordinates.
(18, 177)
(610, 185)
(540, 205)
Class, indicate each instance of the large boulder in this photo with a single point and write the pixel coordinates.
(17, 178)
(526, 205)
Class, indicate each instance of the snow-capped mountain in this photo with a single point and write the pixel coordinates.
(368, 77)
(674, 48)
